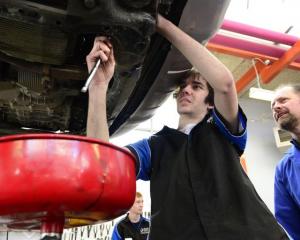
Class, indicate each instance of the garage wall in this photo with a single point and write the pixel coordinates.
(261, 153)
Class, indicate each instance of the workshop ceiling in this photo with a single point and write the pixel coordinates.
(239, 66)
(279, 16)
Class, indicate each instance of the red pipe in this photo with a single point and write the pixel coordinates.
(250, 46)
(259, 32)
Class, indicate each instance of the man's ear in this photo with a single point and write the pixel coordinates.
(210, 107)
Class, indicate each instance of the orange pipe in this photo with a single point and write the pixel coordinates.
(269, 72)
(246, 54)
(248, 77)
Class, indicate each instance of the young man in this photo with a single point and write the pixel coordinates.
(134, 226)
(286, 112)
(198, 188)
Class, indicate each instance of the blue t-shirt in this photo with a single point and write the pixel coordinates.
(287, 191)
(142, 148)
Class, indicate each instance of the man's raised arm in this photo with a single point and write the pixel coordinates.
(97, 121)
(215, 73)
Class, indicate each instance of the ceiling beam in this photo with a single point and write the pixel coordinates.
(261, 67)
(249, 76)
(246, 54)
(269, 72)
(252, 46)
(269, 60)
(266, 71)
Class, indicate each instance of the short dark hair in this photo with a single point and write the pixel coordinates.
(194, 73)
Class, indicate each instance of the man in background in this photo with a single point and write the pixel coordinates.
(134, 226)
(286, 112)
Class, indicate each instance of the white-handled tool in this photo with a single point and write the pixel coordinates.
(92, 74)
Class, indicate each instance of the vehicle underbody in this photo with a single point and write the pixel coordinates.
(42, 59)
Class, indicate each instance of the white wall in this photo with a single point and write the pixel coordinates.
(19, 235)
(261, 152)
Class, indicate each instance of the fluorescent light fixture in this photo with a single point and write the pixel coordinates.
(261, 94)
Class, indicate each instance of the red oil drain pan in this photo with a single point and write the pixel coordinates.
(54, 181)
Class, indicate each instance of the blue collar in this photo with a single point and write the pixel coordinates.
(295, 143)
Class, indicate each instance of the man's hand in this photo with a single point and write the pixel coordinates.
(97, 122)
(102, 50)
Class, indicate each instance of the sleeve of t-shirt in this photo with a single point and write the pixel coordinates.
(240, 139)
(115, 233)
(142, 153)
(286, 211)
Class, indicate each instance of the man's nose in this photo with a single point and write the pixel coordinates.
(276, 106)
(186, 89)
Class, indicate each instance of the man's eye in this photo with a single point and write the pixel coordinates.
(283, 100)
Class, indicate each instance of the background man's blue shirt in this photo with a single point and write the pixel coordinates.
(287, 192)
